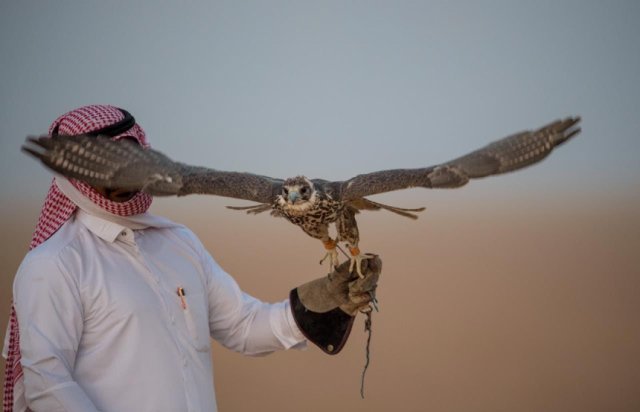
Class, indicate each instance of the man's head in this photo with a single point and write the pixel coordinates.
(58, 208)
(101, 120)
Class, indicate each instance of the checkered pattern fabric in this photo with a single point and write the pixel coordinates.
(57, 209)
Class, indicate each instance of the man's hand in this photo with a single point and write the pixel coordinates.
(324, 309)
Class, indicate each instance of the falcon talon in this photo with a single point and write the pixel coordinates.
(374, 302)
(366, 309)
(332, 257)
(356, 260)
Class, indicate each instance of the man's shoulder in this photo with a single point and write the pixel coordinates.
(46, 257)
(69, 233)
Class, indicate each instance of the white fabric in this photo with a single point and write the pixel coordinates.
(103, 329)
(139, 221)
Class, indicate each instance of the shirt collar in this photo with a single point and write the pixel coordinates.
(102, 228)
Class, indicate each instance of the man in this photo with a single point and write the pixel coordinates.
(114, 307)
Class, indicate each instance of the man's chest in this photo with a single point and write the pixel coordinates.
(149, 286)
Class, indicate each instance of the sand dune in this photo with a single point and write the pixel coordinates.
(497, 306)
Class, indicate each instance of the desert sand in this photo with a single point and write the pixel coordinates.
(487, 303)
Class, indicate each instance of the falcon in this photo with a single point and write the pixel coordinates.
(311, 204)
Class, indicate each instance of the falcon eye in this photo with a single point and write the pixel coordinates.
(304, 190)
(285, 191)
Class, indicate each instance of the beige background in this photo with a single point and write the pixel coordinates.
(492, 301)
(518, 293)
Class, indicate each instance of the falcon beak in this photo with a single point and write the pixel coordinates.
(293, 196)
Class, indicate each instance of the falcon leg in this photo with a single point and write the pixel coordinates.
(356, 260)
(331, 255)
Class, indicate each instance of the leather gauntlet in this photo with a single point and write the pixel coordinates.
(325, 308)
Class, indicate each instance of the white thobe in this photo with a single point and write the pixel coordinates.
(103, 327)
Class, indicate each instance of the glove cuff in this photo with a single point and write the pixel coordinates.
(329, 330)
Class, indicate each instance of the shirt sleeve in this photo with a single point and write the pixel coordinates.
(50, 320)
(241, 322)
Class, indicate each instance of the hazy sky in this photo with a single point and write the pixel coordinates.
(331, 89)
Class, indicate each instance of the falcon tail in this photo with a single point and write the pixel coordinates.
(253, 209)
(366, 204)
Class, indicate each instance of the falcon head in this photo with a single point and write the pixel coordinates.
(298, 194)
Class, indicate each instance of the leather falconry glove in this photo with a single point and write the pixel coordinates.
(324, 309)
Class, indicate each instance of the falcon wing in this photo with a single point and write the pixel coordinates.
(100, 161)
(366, 204)
(505, 155)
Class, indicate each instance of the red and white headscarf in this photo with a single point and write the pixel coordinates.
(57, 209)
